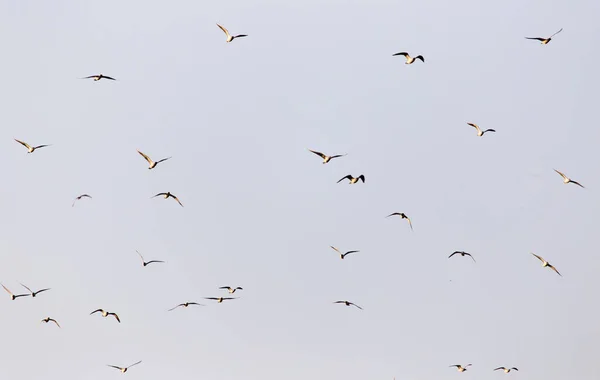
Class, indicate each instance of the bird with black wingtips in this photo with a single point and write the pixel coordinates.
(98, 77)
(546, 264)
(506, 370)
(230, 289)
(352, 179)
(463, 254)
(229, 36)
(479, 131)
(123, 369)
(168, 195)
(14, 296)
(403, 216)
(409, 59)
(30, 148)
(81, 197)
(568, 180)
(348, 303)
(325, 157)
(48, 319)
(152, 164)
(106, 314)
(544, 40)
(33, 294)
(185, 304)
(342, 255)
(460, 368)
(220, 299)
(144, 263)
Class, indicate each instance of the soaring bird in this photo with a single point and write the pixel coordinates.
(403, 216)
(230, 289)
(148, 262)
(80, 197)
(544, 40)
(460, 368)
(30, 149)
(229, 36)
(352, 179)
(13, 296)
(463, 254)
(106, 314)
(409, 59)
(479, 131)
(546, 264)
(506, 370)
(98, 77)
(124, 369)
(342, 255)
(33, 294)
(325, 157)
(568, 180)
(220, 299)
(185, 304)
(152, 164)
(167, 195)
(48, 319)
(348, 303)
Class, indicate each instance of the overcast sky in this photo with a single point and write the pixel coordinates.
(260, 211)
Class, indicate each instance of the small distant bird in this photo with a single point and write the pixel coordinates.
(229, 36)
(326, 158)
(479, 131)
(220, 299)
(230, 289)
(150, 162)
(148, 262)
(124, 369)
(98, 77)
(106, 314)
(167, 195)
(409, 59)
(185, 304)
(348, 303)
(506, 370)
(80, 197)
(352, 179)
(342, 255)
(546, 264)
(544, 40)
(568, 180)
(48, 319)
(33, 294)
(403, 216)
(463, 254)
(460, 368)
(30, 149)
(13, 296)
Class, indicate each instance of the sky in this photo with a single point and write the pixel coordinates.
(261, 211)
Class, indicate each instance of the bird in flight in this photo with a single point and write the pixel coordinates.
(352, 179)
(544, 40)
(98, 77)
(546, 264)
(220, 299)
(403, 216)
(106, 314)
(479, 131)
(148, 262)
(79, 197)
(463, 254)
(48, 319)
(13, 296)
(30, 149)
(167, 195)
(342, 255)
(348, 303)
(326, 158)
(33, 294)
(124, 369)
(185, 304)
(506, 370)
(150, 162)
(568, 180)
(229, 36)
(230, 289)
(460, 368)
(409, 59)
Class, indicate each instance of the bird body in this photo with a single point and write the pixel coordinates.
(568, 180)
(460, 368)
(106, 314)
(30, 149)
(352, 179)
(229, 36)
(409, 59)
(325, 157)
(546, 264)
(479, 131)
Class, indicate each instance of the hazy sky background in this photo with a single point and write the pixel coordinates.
(261, 211)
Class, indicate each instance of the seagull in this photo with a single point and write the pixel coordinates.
(185, 304)
(342, 255)
(326, 158)
(98, 77)
(348, 303)
(506, 370)
(544, 40)
(33, 294)
(167, 195)
(79, 197)
(220, 299)
(150, 162)
(230, 289)
(352, 179)
(568, 180)
(148, 262)
(48, 319)
(409, 59)
(229, 36)
(124, 369)
(479, 131)
(460, 368)
(463, 254)
(546, 264)
(403, 216)
(106, 314)
(13, 296)
(30, 149)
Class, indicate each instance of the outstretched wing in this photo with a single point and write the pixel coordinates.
(555, 33)
(146, 157)
(346, 177)
(538, 257)
(554, 269)
(154, 261)
(159, 194)
(95, 311)
(173, 308)
(30, 291)
(535, 38)
(561, 174)
(577, 183)
(134, 364)
(353, 304)
(421, 58)
(164, 159)
(23, 143)
(224, 30)
(177, 199)
(401, 53)
(475, 126)
(318, 153)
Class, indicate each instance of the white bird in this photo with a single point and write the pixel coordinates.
(568, 180)
(409, 59)
(230, 289)
(13, 296)
(48, 319)
(348, 303)
(479, 131)
(229, 36)
(546, 264)
(80, 197)
(544, 40)
(106, 314)
(460, 368)
(506, 370)
(124, 369)
(30, 149)
(403, 216)
(167, 195)
(98, 77)
(326, 158)
(150, 162)
(352, 179)
(342, 255)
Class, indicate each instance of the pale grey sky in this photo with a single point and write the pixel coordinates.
(261, 211)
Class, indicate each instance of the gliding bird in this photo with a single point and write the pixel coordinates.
(167, 195)
(463, 254)
(479, 131)
(30, 149)
(148, 262)
(98, 77)
(150, 162)
(106, 314)
(342, 255)
(544, 40)
(230, 289)
(326, 158)
(80, 197)
(460, 368)
(13, 296)
(48, 319)
(546, 264)
(403, 216)
(506, 370)
(124, 369)
(185, 304)
(220, 299)
(409, 59)
(568, 180)
(229, 36)
(352, 179)
(33, 294)
(348, 303)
